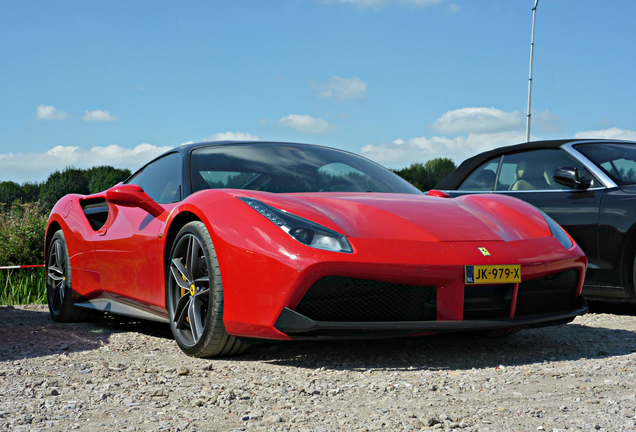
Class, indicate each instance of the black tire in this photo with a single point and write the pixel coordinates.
(194, 296)
(59, 292)
(631, 285)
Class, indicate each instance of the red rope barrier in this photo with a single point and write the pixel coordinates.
(21, 266)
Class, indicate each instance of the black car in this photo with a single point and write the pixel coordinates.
(587, 186)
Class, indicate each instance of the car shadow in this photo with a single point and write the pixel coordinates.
(615, 307)
(29, 332)
(463, 351)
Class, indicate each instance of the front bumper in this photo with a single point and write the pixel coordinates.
(299, 327)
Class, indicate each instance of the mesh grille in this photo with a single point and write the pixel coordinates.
(487, 301)
(552, 293)
(343, 299)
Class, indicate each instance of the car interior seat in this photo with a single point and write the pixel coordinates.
(529, 175)
(550, 168)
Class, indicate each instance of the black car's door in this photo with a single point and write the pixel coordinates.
(528, 176)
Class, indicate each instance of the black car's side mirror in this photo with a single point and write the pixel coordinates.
(570, 177)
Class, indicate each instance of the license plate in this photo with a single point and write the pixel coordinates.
(492, 274)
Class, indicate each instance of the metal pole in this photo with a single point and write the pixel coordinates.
(534, 16)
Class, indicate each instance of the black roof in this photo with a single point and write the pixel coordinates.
(453, 180)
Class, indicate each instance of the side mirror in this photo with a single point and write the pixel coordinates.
(438, 193)
(132, 195)
(570, 177)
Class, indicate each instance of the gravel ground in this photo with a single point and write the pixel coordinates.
(118, 374)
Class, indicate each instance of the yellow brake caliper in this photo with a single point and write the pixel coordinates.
(183, 291)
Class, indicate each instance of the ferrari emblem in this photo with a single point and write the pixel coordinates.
(484, 251)
(192, 290)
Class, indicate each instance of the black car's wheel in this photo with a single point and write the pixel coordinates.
(59, 283)
(631, 285)
(195, 296)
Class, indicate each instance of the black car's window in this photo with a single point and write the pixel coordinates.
(534, 170)
(161, 179)
(483, 178)
(617, 160)
(287, 168)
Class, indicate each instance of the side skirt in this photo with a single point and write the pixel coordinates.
(125, 306)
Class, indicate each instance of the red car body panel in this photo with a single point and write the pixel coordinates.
(413, 240)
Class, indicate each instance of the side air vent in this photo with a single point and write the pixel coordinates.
(96, 212)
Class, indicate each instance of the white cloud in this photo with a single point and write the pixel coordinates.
(477, 120)
(305, 123)
(453, 8)
(611, 133)
(547, 122)
(231, 136)
(399, 153)
(342, 88)
(36, 166)
(49, 112)
(98, 115)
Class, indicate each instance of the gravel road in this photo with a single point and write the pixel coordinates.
(123, 375)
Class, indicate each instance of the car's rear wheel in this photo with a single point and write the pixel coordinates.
(59, 283)
(195, 296)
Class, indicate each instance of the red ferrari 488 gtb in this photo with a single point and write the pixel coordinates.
(230, 242)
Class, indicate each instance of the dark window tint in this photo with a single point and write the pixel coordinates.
(534, 170)
(288, 168)
(617, 160)
(161, 179)
(483, 178)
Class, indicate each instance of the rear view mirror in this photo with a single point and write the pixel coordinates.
(570, 177)
(132, 195)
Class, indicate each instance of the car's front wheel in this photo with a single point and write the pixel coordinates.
(195, 296)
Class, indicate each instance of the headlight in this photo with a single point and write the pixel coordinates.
(303, 230)
(558, 232)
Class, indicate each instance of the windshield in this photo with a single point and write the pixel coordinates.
(284, 168)
(616, 159)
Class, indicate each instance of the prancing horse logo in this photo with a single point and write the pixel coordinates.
(484, 251)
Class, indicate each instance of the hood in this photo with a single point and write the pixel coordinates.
(415, 217)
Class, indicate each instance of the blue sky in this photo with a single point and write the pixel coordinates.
(398, 81)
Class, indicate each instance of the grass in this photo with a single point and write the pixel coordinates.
(22, 286)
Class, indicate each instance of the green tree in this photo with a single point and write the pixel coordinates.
(60, 183)
(438, 169)
(29, 192)
(104, 177)
(426, 176)
(9, 191)
(415, 174)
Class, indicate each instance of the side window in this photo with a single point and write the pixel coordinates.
(624, 169)
(161, 179)
(483, 178)
(534, 170)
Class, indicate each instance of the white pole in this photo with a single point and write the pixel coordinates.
(534, 16)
